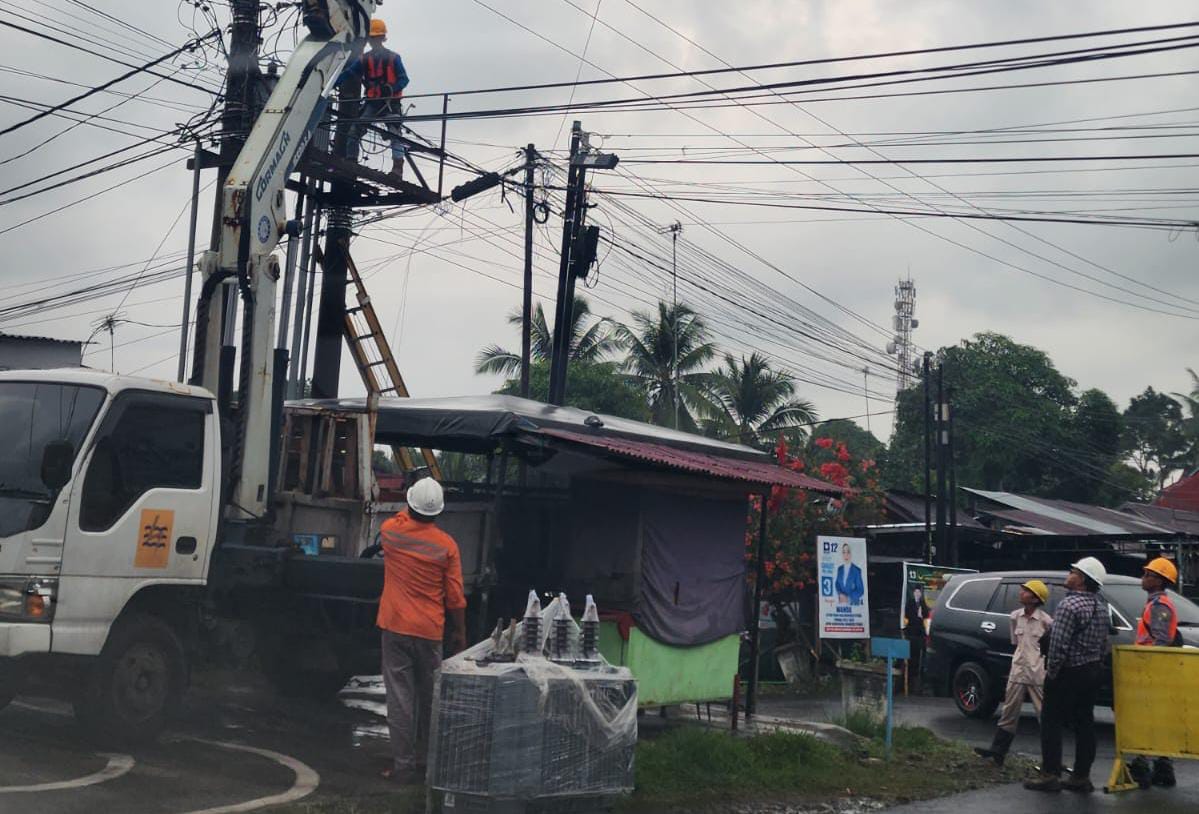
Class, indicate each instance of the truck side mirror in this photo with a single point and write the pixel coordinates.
(57, 458)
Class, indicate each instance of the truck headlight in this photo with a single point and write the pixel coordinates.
(28, 599)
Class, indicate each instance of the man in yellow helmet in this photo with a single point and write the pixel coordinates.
(1029, 625)
(383, 78)
(1158, 628)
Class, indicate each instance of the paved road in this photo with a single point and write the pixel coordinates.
(940, 715)
(240, 748)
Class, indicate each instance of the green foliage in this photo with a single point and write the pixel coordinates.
(653, 344)
(596, 386)
(860, 443)
(381, 462)
(588, 342)
(1154, 436)
(461, 467)
(1190, 423)
(692, 768)
(753, 402)
(1018, 426)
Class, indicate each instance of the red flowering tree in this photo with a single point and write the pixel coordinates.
(797, 516)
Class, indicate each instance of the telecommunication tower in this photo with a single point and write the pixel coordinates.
(904, 322)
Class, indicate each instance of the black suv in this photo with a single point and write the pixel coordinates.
(970, 652)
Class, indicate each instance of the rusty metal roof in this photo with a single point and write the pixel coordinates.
(1023, 514)
(1184, 494)
(758, 473)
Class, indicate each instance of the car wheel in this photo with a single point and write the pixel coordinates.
(972, 690)
(136, 684)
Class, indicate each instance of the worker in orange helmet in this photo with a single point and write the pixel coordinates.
(383, 78)
(422, 584)
(1158, 628)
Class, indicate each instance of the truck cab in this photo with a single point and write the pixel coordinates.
(109, 504)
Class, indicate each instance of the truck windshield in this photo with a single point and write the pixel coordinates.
(32, 414)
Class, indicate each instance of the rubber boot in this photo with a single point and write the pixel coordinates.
(1000, 745)
(1163, 772)
(1141, 773)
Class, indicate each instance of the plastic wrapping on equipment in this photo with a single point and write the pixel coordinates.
(523, 732)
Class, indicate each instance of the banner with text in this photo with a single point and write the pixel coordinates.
(844, 599)
(922, 584)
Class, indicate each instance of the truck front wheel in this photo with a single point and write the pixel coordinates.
(136, 684)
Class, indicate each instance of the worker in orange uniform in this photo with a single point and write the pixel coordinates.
(423, 580)
(1158, 628)
(383, 78)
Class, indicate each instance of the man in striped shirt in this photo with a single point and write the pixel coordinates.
(1073, 674)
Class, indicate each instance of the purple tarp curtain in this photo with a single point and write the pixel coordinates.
(693, 584)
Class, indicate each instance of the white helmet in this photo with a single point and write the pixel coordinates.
(1092, 569)
(426, 497)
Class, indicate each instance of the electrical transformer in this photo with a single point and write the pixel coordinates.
(533, 720)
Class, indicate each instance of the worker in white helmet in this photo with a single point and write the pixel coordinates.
(423, 581)
(1073, 673)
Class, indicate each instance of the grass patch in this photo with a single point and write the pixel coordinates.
(694, 768)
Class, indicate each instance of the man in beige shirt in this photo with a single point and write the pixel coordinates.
(1029, 625)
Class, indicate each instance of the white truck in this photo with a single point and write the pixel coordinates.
(137, 524)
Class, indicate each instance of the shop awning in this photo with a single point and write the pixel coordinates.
(761, 473)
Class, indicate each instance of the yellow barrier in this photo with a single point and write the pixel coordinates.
(1156, 706)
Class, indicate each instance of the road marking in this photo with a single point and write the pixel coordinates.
(306, 779)
(117, 765)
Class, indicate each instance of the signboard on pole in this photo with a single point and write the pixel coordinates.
(922, 584)
(844, 598)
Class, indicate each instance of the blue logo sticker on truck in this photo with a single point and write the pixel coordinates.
(264, 229)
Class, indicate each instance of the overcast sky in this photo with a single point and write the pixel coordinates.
(452, 294)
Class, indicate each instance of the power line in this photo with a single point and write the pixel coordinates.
(612, 79)
(92, 91)
(63, 42)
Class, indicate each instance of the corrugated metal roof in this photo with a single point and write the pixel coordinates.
(1182, 521)
(759, 473)
(1065, 518)
(52, 340)
(1182, 495)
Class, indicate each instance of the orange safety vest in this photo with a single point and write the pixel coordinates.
(1144, 637)
(379, 76)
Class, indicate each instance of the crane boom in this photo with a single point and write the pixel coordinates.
(253, 222)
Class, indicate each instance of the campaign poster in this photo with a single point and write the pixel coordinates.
(844, 598)
(922, 584)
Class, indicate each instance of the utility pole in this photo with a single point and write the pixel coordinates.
(526, 305)
(575, 210)
(929, 550)
(237, 118)
(676, 229)
(578, 252)
(191, 260)
(942, 441)
(331, 313)
(866, 393)
(953, 481)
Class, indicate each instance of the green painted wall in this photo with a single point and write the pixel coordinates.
(673, 675)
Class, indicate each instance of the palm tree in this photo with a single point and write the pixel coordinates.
(753, 400)
(654, 343)
(588, 343)
(1189, 457)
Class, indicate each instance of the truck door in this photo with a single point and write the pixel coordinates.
(142, 514)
